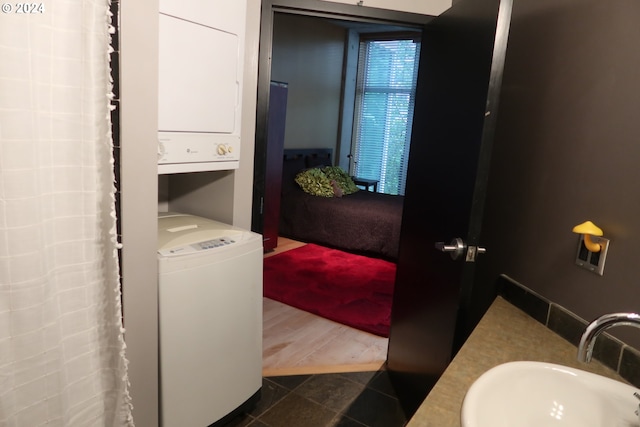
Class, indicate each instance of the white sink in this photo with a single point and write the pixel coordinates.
(538, 394)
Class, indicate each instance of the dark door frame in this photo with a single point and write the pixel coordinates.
(314, 8)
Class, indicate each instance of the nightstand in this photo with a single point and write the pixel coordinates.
(366, 183)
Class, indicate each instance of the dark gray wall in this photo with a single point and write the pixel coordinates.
(568, 150)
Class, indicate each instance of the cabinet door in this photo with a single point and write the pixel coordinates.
(273, 173)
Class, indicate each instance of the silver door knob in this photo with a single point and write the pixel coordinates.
(457, 248)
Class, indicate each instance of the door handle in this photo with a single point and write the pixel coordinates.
(457, 248)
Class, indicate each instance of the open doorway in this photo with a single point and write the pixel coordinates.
(327, 32)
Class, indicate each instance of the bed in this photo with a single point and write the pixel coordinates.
(364, 222)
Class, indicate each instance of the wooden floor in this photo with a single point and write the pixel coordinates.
(296, 342)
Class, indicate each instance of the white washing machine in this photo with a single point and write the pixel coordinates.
(210, 320)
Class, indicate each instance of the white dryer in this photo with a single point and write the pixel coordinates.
(210, 320)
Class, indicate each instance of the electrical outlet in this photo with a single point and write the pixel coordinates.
(592, 261)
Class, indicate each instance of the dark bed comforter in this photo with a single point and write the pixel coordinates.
(363, 222)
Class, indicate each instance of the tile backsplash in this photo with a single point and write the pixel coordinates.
(612, 352)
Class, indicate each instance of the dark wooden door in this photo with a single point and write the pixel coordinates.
(461, 64)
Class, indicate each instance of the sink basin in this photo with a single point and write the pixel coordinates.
(538, 394)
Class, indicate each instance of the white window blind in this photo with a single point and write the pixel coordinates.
(385, 96)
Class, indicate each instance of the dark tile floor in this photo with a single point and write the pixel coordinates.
(361, 399)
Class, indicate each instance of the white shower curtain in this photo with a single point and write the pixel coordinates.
(62, 353)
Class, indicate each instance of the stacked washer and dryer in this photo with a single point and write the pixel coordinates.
(210, 273)
(210, 320)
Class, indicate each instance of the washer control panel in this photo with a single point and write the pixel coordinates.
(212, 244)
(198, 247)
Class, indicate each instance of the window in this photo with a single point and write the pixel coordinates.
(385, 96)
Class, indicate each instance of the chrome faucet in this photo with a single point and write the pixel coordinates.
(588, 339)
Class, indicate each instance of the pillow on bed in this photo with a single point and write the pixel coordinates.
(290, 168)
(315, 182)
(341, 178)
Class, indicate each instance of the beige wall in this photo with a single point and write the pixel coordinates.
(243, 177)
(138, 136)
(308, 54)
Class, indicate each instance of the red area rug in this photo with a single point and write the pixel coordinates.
(354, 290)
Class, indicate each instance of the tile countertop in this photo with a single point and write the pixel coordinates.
(504, 334)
